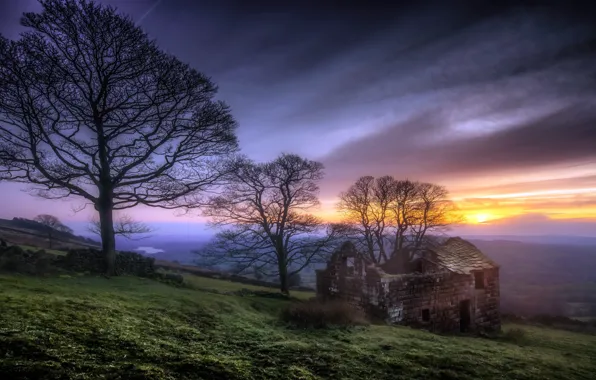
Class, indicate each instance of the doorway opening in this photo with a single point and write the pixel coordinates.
(464, 316)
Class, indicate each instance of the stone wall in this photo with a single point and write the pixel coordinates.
(345, 276)
(439, 301)
(443, 301)
(487, 314)
(91, 260)
(16, 259)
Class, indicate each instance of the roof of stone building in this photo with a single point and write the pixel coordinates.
(461, 256)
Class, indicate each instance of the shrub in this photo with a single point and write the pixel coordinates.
(316, 313)
(169, 278)
(10, 264)
(43, 266)
(515, 335)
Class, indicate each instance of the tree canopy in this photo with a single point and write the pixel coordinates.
(390, 217)
(266, 220)
(91, 107)
(53, 225)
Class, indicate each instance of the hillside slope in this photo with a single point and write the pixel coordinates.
(126, 328)
(28, 232)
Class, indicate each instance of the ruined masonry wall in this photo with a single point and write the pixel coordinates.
(401, 299)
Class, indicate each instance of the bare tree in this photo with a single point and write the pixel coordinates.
(355, 204)
(125, 226)
(402, 212)
(434, 212)
(90, 107)
(383, 192)
(52, 225)
(264, 213)
(366, 207)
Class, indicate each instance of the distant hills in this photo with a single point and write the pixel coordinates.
(539, 274)
(29, 232)
(545, 278)
(539, 239)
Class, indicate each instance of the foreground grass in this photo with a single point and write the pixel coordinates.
(225, 286)
(127, 328)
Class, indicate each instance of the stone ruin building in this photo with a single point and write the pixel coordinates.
(446, 287)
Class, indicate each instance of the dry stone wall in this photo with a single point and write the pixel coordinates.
(16, 259)
(91, 260)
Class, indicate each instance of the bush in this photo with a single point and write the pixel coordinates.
(515, 335)
(316, 313)
(169, 278)
(10, 264)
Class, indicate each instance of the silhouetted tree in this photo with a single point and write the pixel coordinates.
(52, 225)
(402, 211)
(125, 226)
(90, 107)
(264, 211)
(365, 206)
(381, 211)
(433, 212)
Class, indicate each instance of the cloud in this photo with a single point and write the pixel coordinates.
(531, 224)
(568, 180)
(308, 77)
(459, 92)
(423, 145)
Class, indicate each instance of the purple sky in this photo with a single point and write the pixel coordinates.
(491, 101)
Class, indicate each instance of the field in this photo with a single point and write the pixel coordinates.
(126, 328)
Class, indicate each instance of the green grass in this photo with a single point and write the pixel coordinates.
(127, 328)
(224, 286)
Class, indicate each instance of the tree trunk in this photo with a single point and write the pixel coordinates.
(284, 283)
(108, 239)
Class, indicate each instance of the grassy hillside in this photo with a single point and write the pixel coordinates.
(126, 328)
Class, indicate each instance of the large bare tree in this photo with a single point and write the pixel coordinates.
(394, 217)
(402, 212)
(433, 212)
(52, 225)
(91, 107)
(366, 207)
(264, 212)
(356, 204)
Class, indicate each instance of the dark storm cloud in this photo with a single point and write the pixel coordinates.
(308, 75)
(377, 88)
(321, 66)
(566, 135)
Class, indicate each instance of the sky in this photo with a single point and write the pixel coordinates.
(496, 102)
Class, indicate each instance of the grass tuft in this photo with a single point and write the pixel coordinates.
(319, 314)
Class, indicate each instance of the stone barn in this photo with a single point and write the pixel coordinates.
(446, 287)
